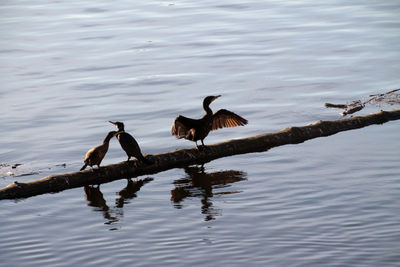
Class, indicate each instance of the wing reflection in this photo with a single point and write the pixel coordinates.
(96, 199)
(198, 183)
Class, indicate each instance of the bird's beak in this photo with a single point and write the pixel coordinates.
(112, 122)
(215, 97)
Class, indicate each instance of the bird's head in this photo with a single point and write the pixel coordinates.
(207, 101)
(118, 124)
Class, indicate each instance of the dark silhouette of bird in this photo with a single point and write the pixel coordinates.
(129, 144)
(95, 155)
(198, 129)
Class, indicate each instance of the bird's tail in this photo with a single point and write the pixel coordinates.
(145, 160)
(83, 167)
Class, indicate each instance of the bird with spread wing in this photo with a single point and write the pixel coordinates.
(198, 129)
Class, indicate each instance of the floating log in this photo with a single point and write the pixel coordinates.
(185, 157)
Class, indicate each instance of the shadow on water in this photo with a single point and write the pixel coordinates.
(199, 184)
(95, 199)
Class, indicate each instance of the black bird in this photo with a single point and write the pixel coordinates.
(95, 155)
(129, 144)
(194, 130)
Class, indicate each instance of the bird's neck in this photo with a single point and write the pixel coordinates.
(207, 109)
(107, 139)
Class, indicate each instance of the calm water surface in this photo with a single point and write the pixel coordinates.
(68, 68)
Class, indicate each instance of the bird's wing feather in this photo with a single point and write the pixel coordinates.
(129, 144)
(91, 154)
(182, 125)
(225, 118)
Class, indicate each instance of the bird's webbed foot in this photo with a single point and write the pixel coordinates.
(202, 147)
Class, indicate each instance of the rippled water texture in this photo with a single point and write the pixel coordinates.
(69, 67)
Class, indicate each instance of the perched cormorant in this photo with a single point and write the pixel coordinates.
(194, 130)
(129, 144)
(95, 155)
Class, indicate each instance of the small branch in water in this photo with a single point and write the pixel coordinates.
(391, 98)
(353, 108)
(16, 165)
(329, 105)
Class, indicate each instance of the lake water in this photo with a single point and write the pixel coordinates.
(69, 67)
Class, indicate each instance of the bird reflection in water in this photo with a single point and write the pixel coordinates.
(129, 192)
(96, 199)
(198, 183)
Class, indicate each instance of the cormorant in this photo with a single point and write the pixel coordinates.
(95, 155)
(129, 144)
(194, 130)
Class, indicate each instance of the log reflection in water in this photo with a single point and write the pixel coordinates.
(96, 199)
(198, 183)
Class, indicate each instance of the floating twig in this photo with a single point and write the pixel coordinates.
(390, 98)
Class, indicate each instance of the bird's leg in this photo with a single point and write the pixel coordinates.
(199, 148)
(131, 162)
(202, 168)
(203, 146)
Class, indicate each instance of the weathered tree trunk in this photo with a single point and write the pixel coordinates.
(183, 157)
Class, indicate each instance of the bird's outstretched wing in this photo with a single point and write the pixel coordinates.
(182, 126)
(225, 118)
